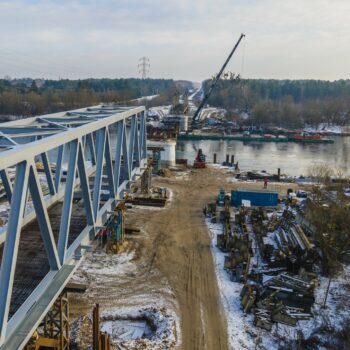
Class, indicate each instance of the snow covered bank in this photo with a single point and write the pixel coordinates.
(142, 98)
(325, 128)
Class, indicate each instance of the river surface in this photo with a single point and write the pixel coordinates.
(293, 158)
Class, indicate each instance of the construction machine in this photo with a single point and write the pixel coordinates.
(199, 161)
(195, 119)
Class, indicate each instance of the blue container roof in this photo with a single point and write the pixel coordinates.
(255, 190)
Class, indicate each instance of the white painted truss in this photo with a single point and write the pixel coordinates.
(62, 142)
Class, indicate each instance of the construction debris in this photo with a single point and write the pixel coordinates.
(165, 172)
(272, 255)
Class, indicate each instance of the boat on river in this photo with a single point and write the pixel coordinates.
(300, 138)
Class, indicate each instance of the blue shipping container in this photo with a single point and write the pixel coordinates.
(257, 198)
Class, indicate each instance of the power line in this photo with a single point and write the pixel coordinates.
(144, 66)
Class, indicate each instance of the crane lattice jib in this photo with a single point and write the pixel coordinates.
(215, 81)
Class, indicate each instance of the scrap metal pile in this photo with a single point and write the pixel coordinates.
(273, 257)
(282, 289)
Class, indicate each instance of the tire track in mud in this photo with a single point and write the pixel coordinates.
(188, 263)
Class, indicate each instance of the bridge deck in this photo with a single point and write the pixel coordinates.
(32, 264)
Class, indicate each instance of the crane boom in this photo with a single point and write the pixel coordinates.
(214, 82)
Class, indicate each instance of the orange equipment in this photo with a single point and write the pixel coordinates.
(199, 162)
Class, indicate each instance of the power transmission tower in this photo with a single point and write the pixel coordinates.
(144, 66)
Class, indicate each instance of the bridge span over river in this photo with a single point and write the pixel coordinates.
(54, 214)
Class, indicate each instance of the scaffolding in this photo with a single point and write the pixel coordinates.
(53, 333)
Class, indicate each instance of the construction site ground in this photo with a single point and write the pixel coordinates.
(169, 264)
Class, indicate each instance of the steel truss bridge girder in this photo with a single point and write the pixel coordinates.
(57, 133)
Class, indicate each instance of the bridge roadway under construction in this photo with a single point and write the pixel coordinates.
(87, 158)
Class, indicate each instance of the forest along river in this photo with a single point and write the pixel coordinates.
(293, 158)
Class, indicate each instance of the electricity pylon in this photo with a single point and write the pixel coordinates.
(144, 66)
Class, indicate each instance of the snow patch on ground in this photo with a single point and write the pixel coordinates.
(219, 166)
(237, 322)
(182, 176)
(157, 328)
(142, 98)
(131, 329)
(232, 179)
(101, 264)
(144, 318)
(170, 195)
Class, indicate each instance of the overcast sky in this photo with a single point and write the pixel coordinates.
(183, 39)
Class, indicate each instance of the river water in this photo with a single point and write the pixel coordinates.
(293, 158)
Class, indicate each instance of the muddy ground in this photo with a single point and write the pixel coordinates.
(171, 264)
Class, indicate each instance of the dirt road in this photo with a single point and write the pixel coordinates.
(171, 263)
(183, 254)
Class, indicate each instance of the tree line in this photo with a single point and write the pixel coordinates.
(285, 103)
(25, 97)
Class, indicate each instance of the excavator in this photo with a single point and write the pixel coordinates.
(196, 116)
